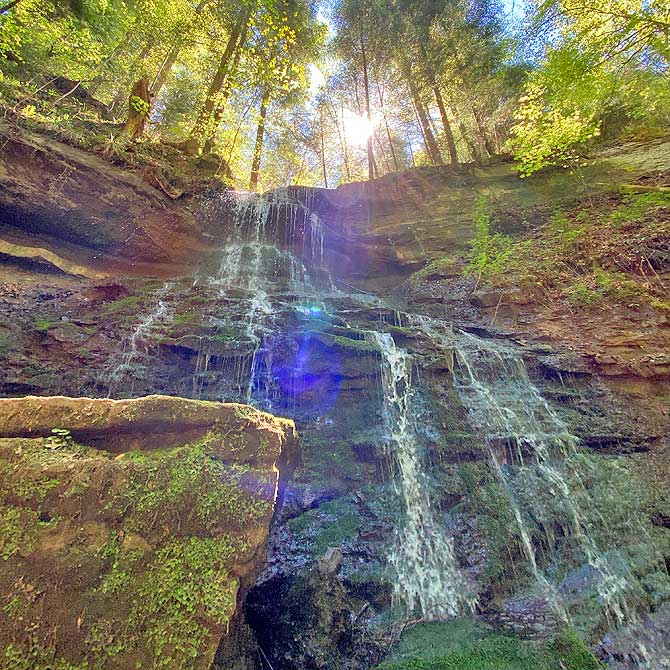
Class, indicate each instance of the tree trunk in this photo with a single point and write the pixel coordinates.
(449, 133)
(345, 149)
(482, 131)
(431, 144)
(139, 105)
(171, 58)
(225, 93)
(411, 153)
(201, 127)
(165, 69)
(472, 146)
(323, 152)
(366, 84)
(260, 132)
(386, 124)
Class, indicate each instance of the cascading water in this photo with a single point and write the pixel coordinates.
(531, 450)
(428, 577)
(121, 367)
(270, 269)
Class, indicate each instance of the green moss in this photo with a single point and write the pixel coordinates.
(42, 324)
(7, 342)
(485, 498)
(186, 583)
(131, 303)
(580, 295)
(15, 530)
(469, 645)
(163, 483)
(359, 346)
(37, 656)
(331, 525)
(438, 266)
(152, 564)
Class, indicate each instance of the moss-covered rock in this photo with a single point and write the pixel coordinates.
(130, 555)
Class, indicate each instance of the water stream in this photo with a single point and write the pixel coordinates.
(428, 577)
(535, 459)
(121, 368)
(532, 454)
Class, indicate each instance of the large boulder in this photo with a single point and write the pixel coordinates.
(134, 553)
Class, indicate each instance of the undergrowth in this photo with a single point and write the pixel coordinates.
(468, 645)
(612, 251)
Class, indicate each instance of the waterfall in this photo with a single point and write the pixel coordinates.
(428, 576)
(530, 445)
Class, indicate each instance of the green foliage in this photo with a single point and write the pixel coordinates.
(636, 207)
(597, 77)
(489, 252)
(139, 105)
(550, 126)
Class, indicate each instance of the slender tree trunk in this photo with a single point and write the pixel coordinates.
(382, 152)
(171, 58)
(366, 84)
(201, 126)
(345, 149)
(449, 133)
(225, 93)
(478, 119)
(446, 125)
(472, 146)
(482, 130)
(411, 153)
(237, 132)
(386, 124)
(431, 144)
(260, 132)
(323, 152)
(165, 69)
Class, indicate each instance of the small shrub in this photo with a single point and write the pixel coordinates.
(489, 252)
(580, 295)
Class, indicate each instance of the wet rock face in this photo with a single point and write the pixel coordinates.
(138, 549)
(273, 319)
(88, 212)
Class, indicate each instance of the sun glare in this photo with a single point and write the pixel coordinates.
(357, 127)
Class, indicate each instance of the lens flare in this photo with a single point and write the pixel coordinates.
(357, 128)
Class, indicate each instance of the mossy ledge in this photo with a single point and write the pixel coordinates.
(131, 553)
